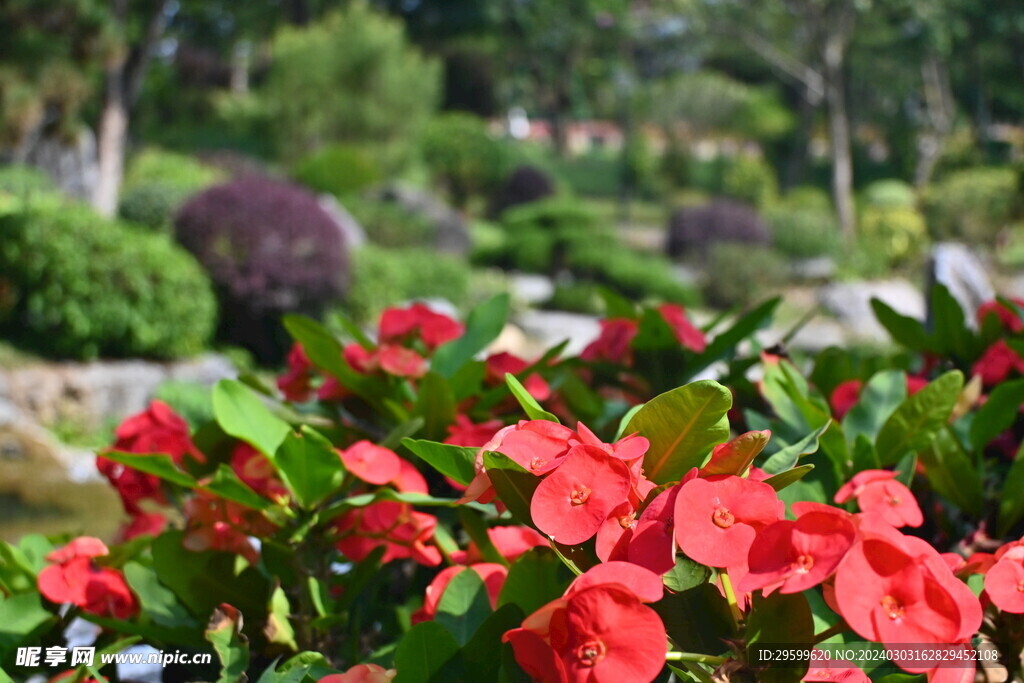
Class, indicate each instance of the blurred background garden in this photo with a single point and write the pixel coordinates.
(175, 175)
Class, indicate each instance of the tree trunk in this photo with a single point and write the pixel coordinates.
(839, 133)
(112, 138)
(940, 110)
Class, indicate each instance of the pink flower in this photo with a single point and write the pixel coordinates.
(688, 335)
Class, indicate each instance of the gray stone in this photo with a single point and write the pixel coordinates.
(530, 288)
(963, 274)
(451, 234)
(820, 268)
(352, 232)
(552, 327)
(72, 166)
(850, 302)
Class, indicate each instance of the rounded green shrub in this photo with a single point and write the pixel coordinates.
(890, 194)
(973, 204)
(384, 277)
(751, 180)
(894, 235)
(741, 274)
(803, 224)
(542, 234)
(75, 285)
(158, 183)
(339, 169)
(462, 156)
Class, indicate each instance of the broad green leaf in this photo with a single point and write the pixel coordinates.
(685, 575)
(21, 616)
(157, 464)
(309, 466)
(528, 403)
(483, 652)
(464, 606)
(998, 413)
(225, 634)
(404, 430)
(227, 485)
(243, 415)
(865, 457)
(683, 425)
(278, 629)
(616, 305)
(903, 329)
(483, 325)
(879, 398)
(951, 473)
(726, 342)
(157, 602)
(428, 653)
(456, 462)
(912, 426)
(950, 334)
(780, 620)
(435, 404)
(1011, 500)
(787, 458)
(697, 620)
(536, 578)
(514, 485)
(735, 456)
(784, 479)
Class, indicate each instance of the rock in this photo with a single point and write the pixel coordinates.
(820, 268)
(451, 233)
(530, 288)
(352, 232)
(963, 274)
(850, 302)
(552, 327)
(72, 166)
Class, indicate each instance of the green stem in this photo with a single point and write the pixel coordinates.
(699, 672)
(730, 596)
(831, 631)
(694, 657)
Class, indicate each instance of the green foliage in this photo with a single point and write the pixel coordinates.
(191, 400)
(351, 77)
(890, 194)
(79, 286)
(741, 274)
(384, 277)
(803, 224)
(463, 157)
(338, 169)
(20, 180)
(633, 274)
(750, 179)
(388, 224)
(577, 297)
(972, 205)
(158, 183)
(593, 174)
(893, 235)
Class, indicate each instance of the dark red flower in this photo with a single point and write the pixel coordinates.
(613, 343)
(997, 363)
(397, 325)
(1008, 318)
(74, 578)
(296, 383)
(688, 335)
(500, 363)
(256, 471)
(213, 523)
(144, 524)
(404, 532)
(844, 397)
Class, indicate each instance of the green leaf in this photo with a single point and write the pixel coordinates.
(428, 654)
(879, 398)
(951, 473)
(784, 479)
(685, 575)
(464, 606)
(950, 334)
(735, 456)
(243, 415)
(310, 466)
(514, 485)
(529, 403)
(484, 324)
(435, 404)
(912, 426)
(157, 602)
(278, 629)
(787, 458)
(998, 413)
(903, 329)
(456, 462)
(326, 353)
(483, 652)
(682, 425)
(726, 342)
(474, 525)
(232, 648)
(697, 620)
(780, 620)
(157, 464)
(21, 616)
(1011, 501)
(536, 578)
(227, 485)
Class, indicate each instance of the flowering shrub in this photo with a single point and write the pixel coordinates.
(408, 507)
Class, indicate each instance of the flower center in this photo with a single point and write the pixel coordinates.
(537, 463)
(892, 607)
(723, 518)
(1020, 586)
(627, 521)
(803, 564)
(579, 495)
(894, 501)
(590, 652)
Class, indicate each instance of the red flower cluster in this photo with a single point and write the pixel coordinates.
(405, 339)
(212, 523)
(599, 630)
(878, 492)
(1008, 319)
(613, 343)
(74, 578)
(1004, 577)
(158, 429)
(997, 363)
(846, 395)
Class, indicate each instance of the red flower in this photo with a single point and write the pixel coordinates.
(144, 524)
(643, 583)
(653, 540)
(717, 519)
(509, 541)
(371, 463)
(613, 343)
(403, 531)
(837, 670)
(397, 325)
(493, 576)
(401, 362)
(1007, 318)
(213, 523)
(256, 471)
(74, 578)
(572, 503)
(996, 364)
(158, 429)
(855, 486)
(1004, 582)
(600, 633)
(688, 335)
(409, 479)
(892, 501)
(296, 383)
(614, 534)
(844, 397)
(500, 363)
(466, 433)
(362, 673)
(538, 446)
(795, 556)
